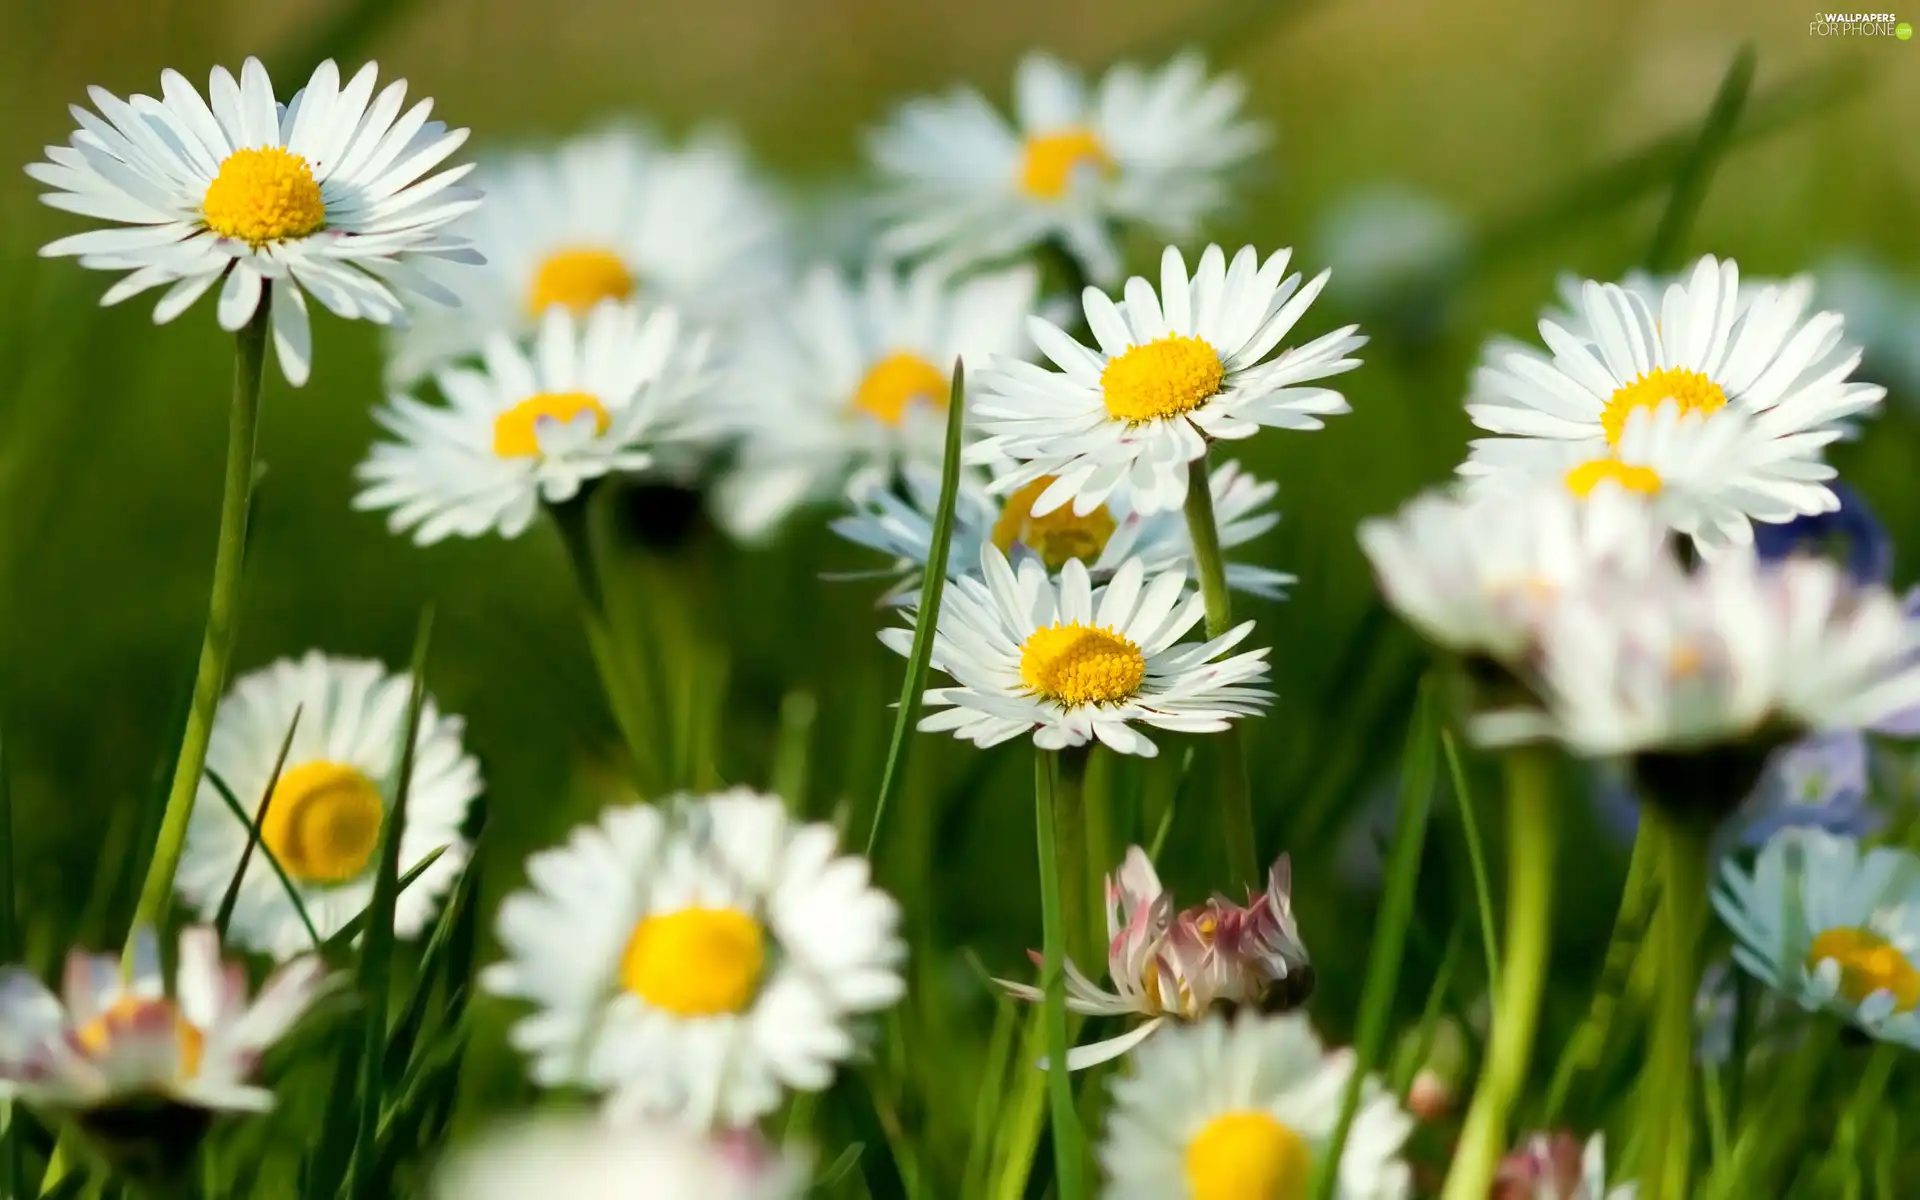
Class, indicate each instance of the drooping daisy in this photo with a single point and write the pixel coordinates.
(323, 195)
(1155, 150)
(856, 374)
(1831, 926)
(1172, 372)
(1069, 663)
(698, 959)
(614, 214)
(327, 813)
(1558, 1167)
(592, 396)
(581, 1158)
(1225, 1110)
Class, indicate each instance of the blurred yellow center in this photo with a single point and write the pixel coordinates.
(264, 195)
(139, 1016)
(516, 432)
(1164, 378)
(1583, 479)
(1248, 1156)
(579, 279)
(1049, 160)
(323, 822)
(1694, 392)
(1868, 964)
(1056, 537)
(899, 380)
(698, 962)
(1077, 664)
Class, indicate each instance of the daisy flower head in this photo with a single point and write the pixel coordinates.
(329, 194)
(1558, 1167)
(611, 392)
(1153, 149)
(697, 959)
(1223, 1110)
(323, 818)
(1170, 373)
(613, 214)
(855, 374)
(582, 1158)
(1832, 926)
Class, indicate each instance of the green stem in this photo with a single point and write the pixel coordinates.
(1066, 1123)
(1236, 797)
(1666, 1171)
(573, 520)
(1476, 860)
(1530, 855)
(1070, 837)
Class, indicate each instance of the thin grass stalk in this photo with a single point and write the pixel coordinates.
(1067, 1155)
(1476, 860)
(1236, 796)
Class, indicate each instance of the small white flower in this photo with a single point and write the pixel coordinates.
(604, 394)
(1173, 372)
(324, 195)
(326, 815)
(698, 960)
(1226, 1111)
(579, 1158)
(1148, 149)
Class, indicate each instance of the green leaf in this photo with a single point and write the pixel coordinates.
(293, 893)
(1696, 170)
(225, 915)
(338, 948)
(432, 972)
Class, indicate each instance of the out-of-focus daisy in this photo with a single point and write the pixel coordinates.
(1883, 311)
(1069, 663)
(1153, 150)
(1389, 243)
(327, 813)
(1852, 534)
(592, 396)
(1225, 1110)
(1166, 964)
(1831, 926)
(697, 959)
(1558, 1167)
(582, 1158)
(328, 194)
(1172, 372)
(898, 521)
(853, 375)
(610, 215)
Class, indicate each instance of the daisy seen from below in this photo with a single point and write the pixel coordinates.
(326, 814)
(855, 374)
(608, 393)
(583, 1158)
(1068, 663)
(698, 960)
(614, 214)
(328, 195)
(1227, 1110)
(1171, 373)
(1832, 926)
(1152, 149)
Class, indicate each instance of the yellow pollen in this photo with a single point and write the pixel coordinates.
(897, 381)
(516, 432)
(1583, 479)
(1694, 392)
(1056, 537)
(1077, 664)
(264, 195)
(579, 279)
(697, 962)
(1869, 963)
(1049, 161)
(1684, 661)
(1164, 378)
(323, 822)
(1248, 1156)
(97, 1036)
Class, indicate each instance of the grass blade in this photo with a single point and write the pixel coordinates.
(225, 915)
(433, 960)
(12, 1182)
(1065, 1123)
(1476, 858)
(336, 948)
(1696, 171)
(293, 893)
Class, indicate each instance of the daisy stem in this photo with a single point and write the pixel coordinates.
(1203, 530)
(1530, 855)
(1666, 1171)
(1070, 837)
(1068, 1164)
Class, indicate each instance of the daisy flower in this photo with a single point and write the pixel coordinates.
(1166, 964)
(610, 392)
(328, 194)
(1069, 663)
(855, 374)
(1225, 1110)
(1831, 926)
(586, 1159)
(327, 811)
(1172, 372)
(698, 959)
(1558, 1167)
(963, 185)
(610, 215)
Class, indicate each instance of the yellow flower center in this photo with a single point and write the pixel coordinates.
(1868, 964)
(264, 195)
(1056, 537)
(323, 822)
(1049, 160)
(579, 279)
(1694, 392)
(698, 962)
(896, 381)
(1248, 1156)
(127, 1013)
(1164, 378)
(516, 432)
(1583, 479)
(1077, 664)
